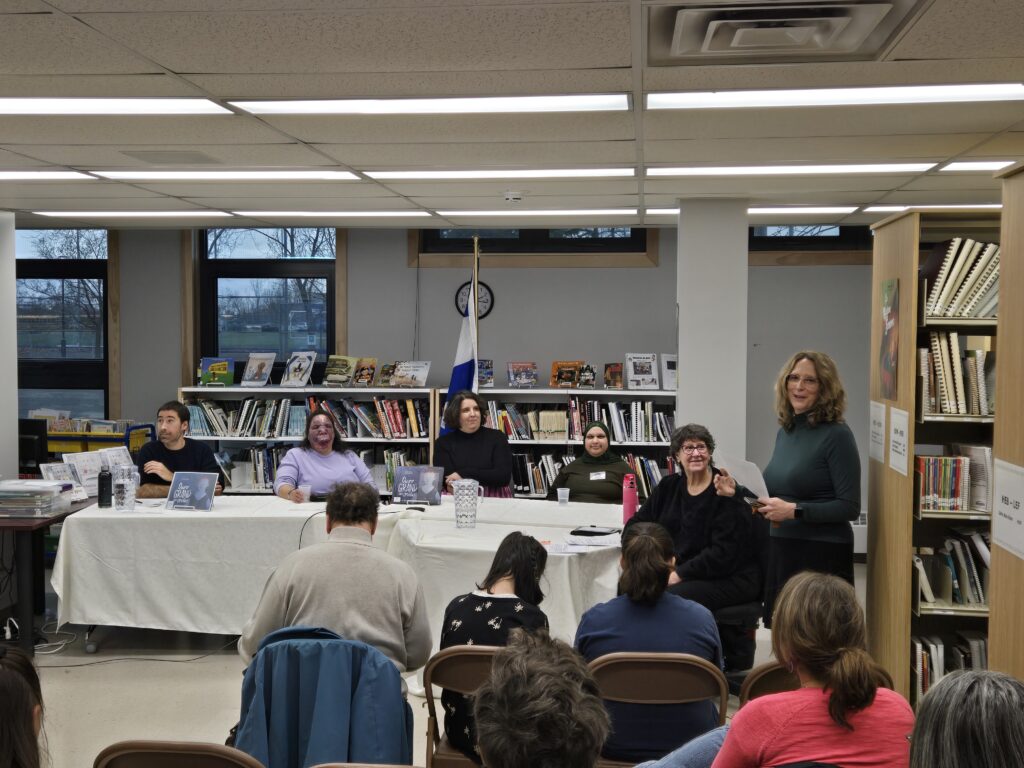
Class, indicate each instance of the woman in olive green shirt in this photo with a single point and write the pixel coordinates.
(596, 476)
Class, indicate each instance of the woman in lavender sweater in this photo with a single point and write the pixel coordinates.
(320, 461)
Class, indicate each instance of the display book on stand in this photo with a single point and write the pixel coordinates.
(635, 402)
(953, 478)
(364, 401)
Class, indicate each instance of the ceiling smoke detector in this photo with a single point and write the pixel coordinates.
(513, 196)
(766, 32)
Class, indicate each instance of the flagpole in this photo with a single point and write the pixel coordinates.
(476, 287)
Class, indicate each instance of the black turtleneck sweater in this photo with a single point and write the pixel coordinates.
(483, 456)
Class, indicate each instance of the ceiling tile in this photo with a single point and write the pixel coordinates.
(954, 29)
(462, 203)
(749, 186)
(102, 86)
(267, 190)
(525, 154)
(179, 131)
(496, 189)
(105, 157)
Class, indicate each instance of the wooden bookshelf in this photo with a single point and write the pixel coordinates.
(894, 612)
(1006, 622)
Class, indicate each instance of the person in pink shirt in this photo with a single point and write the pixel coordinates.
(844, 713)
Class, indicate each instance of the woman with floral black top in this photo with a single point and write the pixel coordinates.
(507, 598)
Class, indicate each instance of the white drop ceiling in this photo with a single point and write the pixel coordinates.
(227, 50)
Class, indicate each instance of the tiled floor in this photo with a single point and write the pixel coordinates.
(150, 684)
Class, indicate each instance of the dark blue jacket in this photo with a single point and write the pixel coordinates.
(310, 697)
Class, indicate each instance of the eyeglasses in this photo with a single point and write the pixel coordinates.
(691, 449)
(808, 381)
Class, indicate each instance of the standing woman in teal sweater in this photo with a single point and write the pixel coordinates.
(813, 477)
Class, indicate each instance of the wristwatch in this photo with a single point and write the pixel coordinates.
(798, 512)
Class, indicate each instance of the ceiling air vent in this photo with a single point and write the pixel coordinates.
(765, 32)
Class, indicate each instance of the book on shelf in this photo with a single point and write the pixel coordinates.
(668, 372)
(258, 368)
(522, 375)
(386, 374)
(227, 466)
(962, 279)
(411, 373)
(943, 483)
(217, 370)
(588, 377)
(484, 373)
(366, 368)
(641, 370)
(62, 472)
(565, 373)
(981, 487)
(613, 375)
(339, 370)
(958, 373)
(297, 369)
(534, 476)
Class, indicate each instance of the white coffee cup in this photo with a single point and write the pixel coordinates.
(563, 496)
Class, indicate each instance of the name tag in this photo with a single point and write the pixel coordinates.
(597, 475)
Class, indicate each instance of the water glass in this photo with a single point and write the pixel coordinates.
(563, 496)
(125, 481)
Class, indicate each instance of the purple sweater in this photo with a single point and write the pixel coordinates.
(304, 466)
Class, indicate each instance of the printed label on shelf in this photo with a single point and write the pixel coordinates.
(1008, 518)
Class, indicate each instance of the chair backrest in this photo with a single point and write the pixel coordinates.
(660, 678)
(461, 668)
(172, 754)
(768, 678)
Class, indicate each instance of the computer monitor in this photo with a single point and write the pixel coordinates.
(33, 446)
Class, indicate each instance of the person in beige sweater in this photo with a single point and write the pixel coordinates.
(348, 586)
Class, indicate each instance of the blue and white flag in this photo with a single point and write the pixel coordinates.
(464, 367)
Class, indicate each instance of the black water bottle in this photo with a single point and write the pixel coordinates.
(105, 486)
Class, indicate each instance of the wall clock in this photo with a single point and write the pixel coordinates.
(484, 302)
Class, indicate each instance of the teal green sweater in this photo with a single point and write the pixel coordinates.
(818, 468)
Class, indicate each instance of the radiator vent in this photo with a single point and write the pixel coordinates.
(745, 33)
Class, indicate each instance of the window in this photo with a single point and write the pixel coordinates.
(574, 240)
(809, 237)
(267, 290)
(62, 320)
(798, 230)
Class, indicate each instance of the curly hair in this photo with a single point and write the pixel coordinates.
(540, 707)
(831, 402)
(691, 432)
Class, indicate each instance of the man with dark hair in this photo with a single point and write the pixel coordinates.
(348, 586)
(540, 707)
(171, 452)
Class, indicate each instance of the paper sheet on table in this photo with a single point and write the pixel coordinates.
(745, 472)
(608, 540)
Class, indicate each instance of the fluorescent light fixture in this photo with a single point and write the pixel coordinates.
(44, 176)
(586, 102)
(228, 175)
(204, 214)
(46, 106)
(544, 212)
(332, 214)
(899, 208)
(791, 170)
(830, 97)
(981, 165)
(806, 210)
(794, 210)
(547, 173)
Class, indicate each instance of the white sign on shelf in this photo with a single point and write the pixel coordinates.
(1008, 516)
(899, 427)
(876, 449)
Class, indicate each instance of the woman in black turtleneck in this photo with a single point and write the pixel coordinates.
(472, 451)
(597, 475)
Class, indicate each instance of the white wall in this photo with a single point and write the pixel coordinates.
(8, 350)
(150, 321)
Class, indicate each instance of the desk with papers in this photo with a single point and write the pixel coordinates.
(205, 571)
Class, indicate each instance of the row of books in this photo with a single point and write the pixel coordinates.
(383, 418)
(957, 481)
(958, 375)
(61, 421)
(533, 477)
(628, 422)
(932, 657)
(640, 371)
(340, 371)
(957, 572)
(962, 276)
(648, 474)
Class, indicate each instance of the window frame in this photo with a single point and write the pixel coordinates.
(211, 270)
(533, 242)
(69, 374)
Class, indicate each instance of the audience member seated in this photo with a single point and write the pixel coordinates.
(21, 710)
(844, 713)
(472, 451)
(713, 536)
(540, 707)
(320, 461)
(647, 618)
(348, 586)
(970, 719)
(172, 452)
(507, 598)
(597, 475)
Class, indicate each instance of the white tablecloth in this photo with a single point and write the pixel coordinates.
(205, 571)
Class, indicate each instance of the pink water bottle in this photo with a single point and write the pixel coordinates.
(629, 500)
